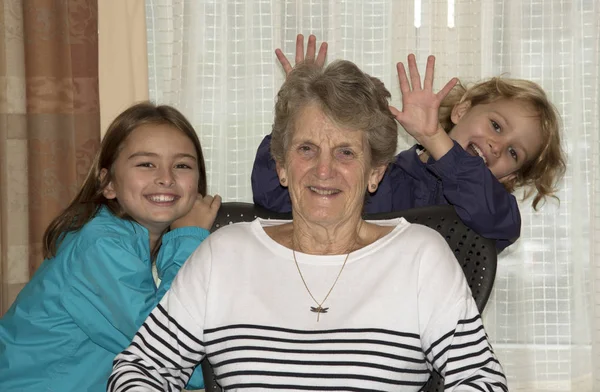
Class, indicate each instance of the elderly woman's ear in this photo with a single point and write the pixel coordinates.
(281, 174)
(375, 177)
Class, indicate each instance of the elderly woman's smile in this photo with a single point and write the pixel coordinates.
(324, 191)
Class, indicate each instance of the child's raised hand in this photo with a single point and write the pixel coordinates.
(311, 49)
(202, 214)
(420, 106)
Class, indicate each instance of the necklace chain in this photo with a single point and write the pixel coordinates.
(319, 309)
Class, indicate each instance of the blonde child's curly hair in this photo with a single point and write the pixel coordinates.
(540, 175)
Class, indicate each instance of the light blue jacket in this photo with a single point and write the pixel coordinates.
(83, 307)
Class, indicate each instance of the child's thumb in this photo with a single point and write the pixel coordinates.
(216, 202)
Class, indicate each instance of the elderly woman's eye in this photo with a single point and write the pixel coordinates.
(345, 153)
(303, 149)
(306, 150)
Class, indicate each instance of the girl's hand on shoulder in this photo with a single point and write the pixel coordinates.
(311, 49)
(202, 214)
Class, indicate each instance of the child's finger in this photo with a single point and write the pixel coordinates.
(402, 78)
(394, 110)
(216, 202)
(447, 88)
(206, 200)
(311, 48)
(415, 77)
(322, 54)
(287, 67)
(397, 113)
(299, 48)
(429, 71)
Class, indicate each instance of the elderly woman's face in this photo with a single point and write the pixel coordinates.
(327, 169)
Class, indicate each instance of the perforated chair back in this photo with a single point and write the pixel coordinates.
(476, 255)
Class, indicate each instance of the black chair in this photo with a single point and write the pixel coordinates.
(476, 255)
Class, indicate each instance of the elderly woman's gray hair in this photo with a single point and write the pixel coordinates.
(349, 97)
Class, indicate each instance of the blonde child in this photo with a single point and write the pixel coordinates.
(143, 202)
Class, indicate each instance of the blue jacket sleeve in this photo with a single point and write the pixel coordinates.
(112, 290)
(177, 246)
(266, 189)
(480, 200)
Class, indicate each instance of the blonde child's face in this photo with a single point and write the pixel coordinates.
(155, 176)
(506, 134)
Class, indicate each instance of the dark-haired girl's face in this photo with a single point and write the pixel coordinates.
(155, 176)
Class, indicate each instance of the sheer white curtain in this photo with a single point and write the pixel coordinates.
(214, 60)
(543, 305)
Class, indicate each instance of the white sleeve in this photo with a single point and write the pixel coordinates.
(169, 345)
(452, 333)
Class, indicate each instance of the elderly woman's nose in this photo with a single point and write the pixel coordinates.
(324, 166)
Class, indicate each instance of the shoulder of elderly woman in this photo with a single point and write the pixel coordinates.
(436, 259)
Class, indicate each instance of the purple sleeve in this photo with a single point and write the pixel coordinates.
(266, 189)
(480, 200)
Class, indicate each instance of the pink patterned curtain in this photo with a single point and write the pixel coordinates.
(49, 123)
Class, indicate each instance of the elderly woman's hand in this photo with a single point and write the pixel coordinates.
(311, 49)
(420, 106)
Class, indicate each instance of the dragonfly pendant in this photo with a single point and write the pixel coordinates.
(318, 310)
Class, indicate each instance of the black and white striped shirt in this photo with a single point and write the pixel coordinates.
(400, 310)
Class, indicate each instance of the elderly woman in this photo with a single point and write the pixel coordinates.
(326, 301)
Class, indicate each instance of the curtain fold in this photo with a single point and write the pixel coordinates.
(594, 251)
(49, 123)
(123, 59)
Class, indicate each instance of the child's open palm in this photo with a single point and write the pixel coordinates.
(420, 105)
(311, 50)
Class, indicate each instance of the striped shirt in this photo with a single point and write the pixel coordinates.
(400, 310)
